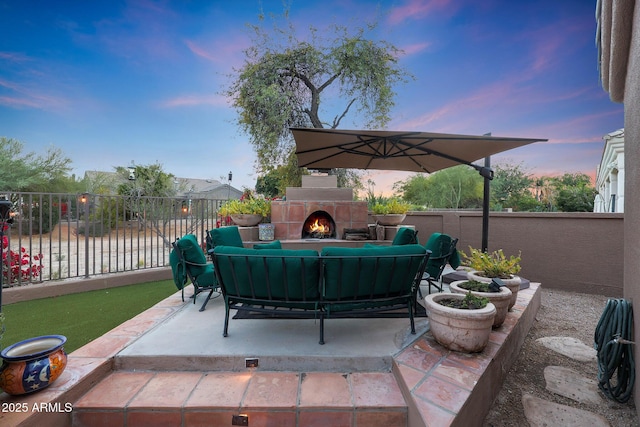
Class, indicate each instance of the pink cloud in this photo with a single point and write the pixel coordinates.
(26, 97)
(195, 100)
(415, 48)
(227, 52)
(417, 9)
(14, 57)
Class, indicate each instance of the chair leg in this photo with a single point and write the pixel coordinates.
(321, 330)
(207, 300)
(413, 323)
(226, 320)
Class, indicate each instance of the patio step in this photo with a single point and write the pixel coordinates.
(185, 398)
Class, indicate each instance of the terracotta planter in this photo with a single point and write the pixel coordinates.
(459, 329)
(246, 220)
(390, 219)
(32, 364)
(513, 284)
(500, 299)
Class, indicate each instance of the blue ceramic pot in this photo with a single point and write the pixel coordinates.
(32, 364)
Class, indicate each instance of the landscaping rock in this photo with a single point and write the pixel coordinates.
(542, 413)
(570, 347)
(569, 383)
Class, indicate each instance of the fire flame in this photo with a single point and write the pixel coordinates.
(316, 227)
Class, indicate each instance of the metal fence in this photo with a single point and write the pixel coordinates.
(64, 236)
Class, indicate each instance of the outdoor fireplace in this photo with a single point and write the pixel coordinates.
(318, 195)
(319, 225)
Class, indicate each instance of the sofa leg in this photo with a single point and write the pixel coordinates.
(321, 330)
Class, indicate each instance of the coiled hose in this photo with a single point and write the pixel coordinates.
(612, 340)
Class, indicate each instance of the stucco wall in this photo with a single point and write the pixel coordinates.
(632, 184)
(581, 252)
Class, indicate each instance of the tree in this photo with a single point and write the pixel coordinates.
(510, 188)
(20, 171)
(150, 197)
(574, 193)
(458, 187)
(284, 80)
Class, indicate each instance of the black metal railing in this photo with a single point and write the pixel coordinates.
(64, 236)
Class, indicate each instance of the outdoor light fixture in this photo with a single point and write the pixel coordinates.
(240, 420)
(83, 198)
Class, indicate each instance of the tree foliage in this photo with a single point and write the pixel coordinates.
(458, 187)
(151, 181)
(46, 172)
(461, 187)
(574, 193)
(291, 81)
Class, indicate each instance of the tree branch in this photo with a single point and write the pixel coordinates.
(337, 120)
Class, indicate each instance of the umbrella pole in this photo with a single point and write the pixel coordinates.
(485, 207)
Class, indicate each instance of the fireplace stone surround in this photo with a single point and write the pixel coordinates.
(318, 193)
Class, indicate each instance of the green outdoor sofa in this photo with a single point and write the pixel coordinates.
(305, 283)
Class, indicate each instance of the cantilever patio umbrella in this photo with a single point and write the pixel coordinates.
(397, 150)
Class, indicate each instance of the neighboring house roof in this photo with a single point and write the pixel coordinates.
(192, 187)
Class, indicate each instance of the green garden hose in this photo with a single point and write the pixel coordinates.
(612, 340)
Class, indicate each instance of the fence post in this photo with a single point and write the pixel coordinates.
(86, 235)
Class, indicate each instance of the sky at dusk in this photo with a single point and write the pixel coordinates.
(116, 82)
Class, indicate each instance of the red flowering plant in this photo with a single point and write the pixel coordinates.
(17, 265)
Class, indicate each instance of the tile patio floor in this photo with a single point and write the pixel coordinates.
(169, 366)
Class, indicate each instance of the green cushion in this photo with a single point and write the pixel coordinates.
(206, 279)
(226, 236)
(367, 271)
(272, 245)
(439, 245)
(405, 236)
(192, 254)
(275, 274)
(177, 269)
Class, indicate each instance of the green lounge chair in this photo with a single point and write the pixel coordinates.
(188, 263)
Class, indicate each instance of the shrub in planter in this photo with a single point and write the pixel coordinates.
(500, 297)
(487, 266)
(460, 322)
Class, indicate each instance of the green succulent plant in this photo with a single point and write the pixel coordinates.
(494, 264)
(252, 206)
(390, 206)
(469, 302)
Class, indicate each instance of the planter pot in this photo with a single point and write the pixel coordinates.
(500, 300)
(32, 364)
(459, 329)
(390, 219)
(246, 220)
(513, 284)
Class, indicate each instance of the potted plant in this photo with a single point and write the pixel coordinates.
(390, 211)
(498, 296)
(246, 212)
(460, 322)
(487, 266)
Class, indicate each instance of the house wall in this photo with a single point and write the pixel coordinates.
(632, 179)
(610, 176)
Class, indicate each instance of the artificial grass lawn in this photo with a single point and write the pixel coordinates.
(81, 317)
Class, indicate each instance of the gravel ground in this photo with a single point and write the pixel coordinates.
(561, 314)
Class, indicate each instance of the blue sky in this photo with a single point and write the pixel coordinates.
(111, 82)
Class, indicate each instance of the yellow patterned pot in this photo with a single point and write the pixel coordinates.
(32, 364)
